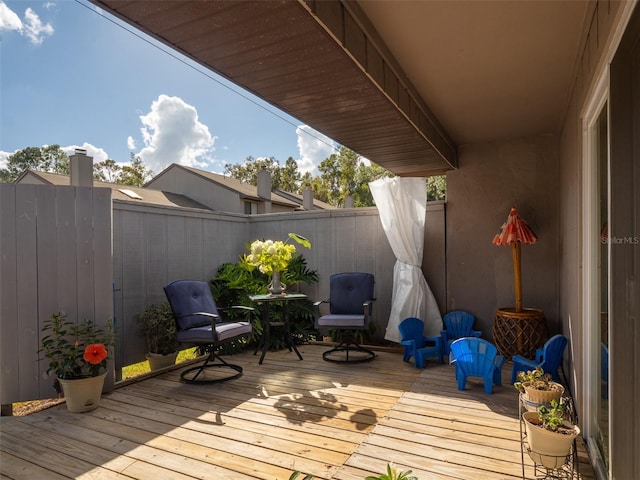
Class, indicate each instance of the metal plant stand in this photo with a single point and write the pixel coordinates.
(567, 467)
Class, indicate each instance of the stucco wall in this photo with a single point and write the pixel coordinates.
(491, 179)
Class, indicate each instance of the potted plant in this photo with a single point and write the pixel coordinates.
(271, 257)
(537, 388)
(159, 328)
(392, 473)
(550, 434)
(77, 354)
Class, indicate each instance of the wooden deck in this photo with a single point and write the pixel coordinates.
(333, 421)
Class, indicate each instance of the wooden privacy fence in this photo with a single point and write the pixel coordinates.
(55, 245)
(67, 249)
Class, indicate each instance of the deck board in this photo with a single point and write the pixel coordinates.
(334, 421)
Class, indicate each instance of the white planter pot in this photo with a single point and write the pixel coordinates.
(83, 394)
(158, 361)
(547, 448)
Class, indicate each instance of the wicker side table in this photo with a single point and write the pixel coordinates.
(519, 333)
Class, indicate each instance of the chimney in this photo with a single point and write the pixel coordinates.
(307, 199)
(264, 184)
(264, 190)
(348, 202)
(81, 167)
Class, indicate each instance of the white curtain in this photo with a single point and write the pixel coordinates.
(402, 203)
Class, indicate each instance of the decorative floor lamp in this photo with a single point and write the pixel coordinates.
(518, 330)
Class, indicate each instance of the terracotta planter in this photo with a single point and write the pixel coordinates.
(83, 394)
(534, 398)
(547, 448)
(158, 361)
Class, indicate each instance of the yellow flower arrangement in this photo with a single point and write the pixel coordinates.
(273, 256)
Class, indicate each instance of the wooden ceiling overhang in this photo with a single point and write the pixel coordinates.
(319, 61)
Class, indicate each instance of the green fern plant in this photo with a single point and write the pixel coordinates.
(392, 473)
(296, 474)
(234, 282)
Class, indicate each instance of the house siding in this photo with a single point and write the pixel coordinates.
(602, 33)
(213, 195)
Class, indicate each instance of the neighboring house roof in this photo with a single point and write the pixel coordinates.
(245, 190)
(121, 193)
(295, 197)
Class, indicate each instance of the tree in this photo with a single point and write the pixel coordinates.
(319, 190)
(362, 196)
(135, 174)
(106, 171)
(342, 174)
(50, 158)
(290, 177)
(436, 188)
(345, 174)
(248, 171)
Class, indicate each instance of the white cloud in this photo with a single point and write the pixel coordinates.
(97, 153)
(314, 147)
(8, 18)
(32, 27)
(3, 158)
(172, 133)
(131, 143)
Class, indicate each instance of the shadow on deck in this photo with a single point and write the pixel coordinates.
(330, 420)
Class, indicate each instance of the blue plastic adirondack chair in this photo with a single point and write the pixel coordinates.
(549, 358)
(476, 357)
(415, 343)
(604, 370)
(457, 324)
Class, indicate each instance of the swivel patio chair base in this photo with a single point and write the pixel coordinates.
(190, 375)
(348, 352)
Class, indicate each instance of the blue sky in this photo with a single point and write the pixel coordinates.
(70, 76)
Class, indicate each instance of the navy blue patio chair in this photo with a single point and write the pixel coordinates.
(198, 322)
(350, 306)
(548, 357)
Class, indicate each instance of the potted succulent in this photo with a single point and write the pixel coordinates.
(77, 354)
(550, 434)
(159, 328)
(537, 388)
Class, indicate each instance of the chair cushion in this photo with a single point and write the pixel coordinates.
(190, 296)
(225, 331)
(336, 321)
(349, 291)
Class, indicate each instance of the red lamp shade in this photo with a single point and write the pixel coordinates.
(515, 232)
